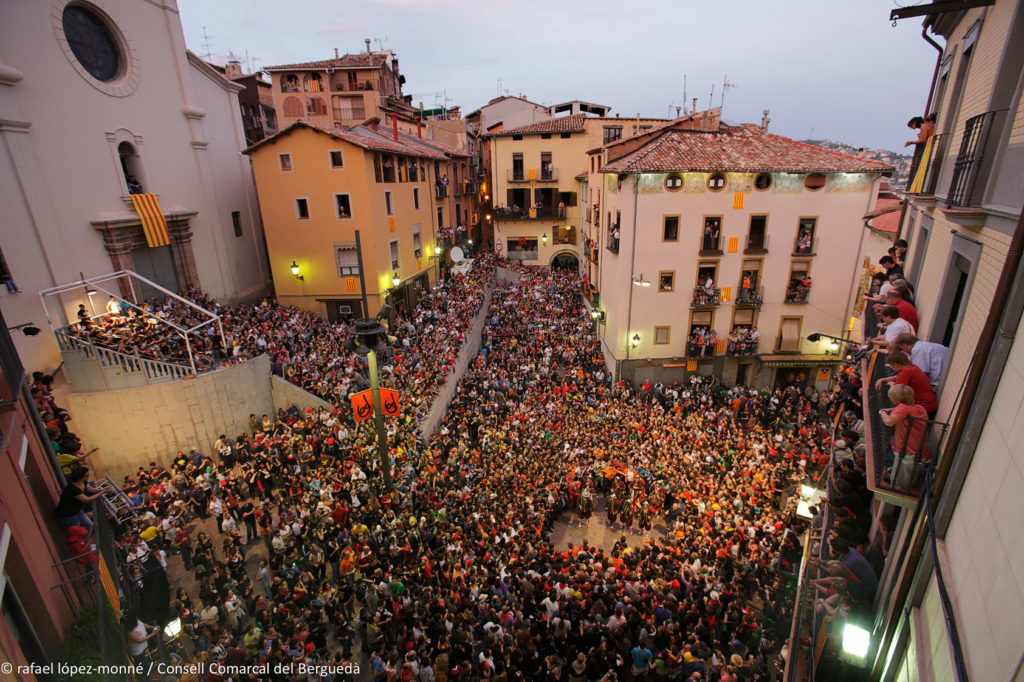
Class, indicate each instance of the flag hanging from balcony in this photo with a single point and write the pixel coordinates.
(153, 223)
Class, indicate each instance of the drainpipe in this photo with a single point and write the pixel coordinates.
(632, 263)
(938, 64)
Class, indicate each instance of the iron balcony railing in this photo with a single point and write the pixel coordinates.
(805, 246)
(516, 213)
(897, 457)
(969, 160)
(697, 348)
(757, 246)
(751, 297)
(704, 297)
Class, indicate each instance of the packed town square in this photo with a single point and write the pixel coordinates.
(556, 525)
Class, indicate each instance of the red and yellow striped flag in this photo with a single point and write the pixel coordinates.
(153, 223)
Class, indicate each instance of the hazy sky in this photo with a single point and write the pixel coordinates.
(833, 69)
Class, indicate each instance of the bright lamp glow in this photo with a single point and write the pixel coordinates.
(803, 510)
(437, 250)
(294, 267)
(395, 279)
(856, 642)
(807, 491)
(635, 340)
(173, 628)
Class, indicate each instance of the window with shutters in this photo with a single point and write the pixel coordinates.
(293, 107)
(347, 258)
(394, 254)
(662, 335)
(789, 334)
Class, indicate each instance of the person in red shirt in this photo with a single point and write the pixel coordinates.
(907, 310)
(908, 374)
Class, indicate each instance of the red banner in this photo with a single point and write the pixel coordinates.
(362, 404)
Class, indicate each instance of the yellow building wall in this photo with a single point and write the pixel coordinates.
(310, 243)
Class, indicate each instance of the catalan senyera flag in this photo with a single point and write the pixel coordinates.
(153, 223)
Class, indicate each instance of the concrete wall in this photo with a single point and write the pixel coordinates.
(135, 426)
(283, 392)
(466, 355)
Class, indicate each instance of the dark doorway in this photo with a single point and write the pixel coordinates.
(156, 265)
(741, 375)
(344, 310)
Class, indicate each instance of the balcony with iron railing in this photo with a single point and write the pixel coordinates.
(805, 245)
(532, 175)
(613, 238)
(973, 161)
(710, 246)
(739, 343)
(465, 188)
(704, 297)
(757, 246)
(798, 292)
(750, 297)
(896, 456)
(516, 213)
(703, 346)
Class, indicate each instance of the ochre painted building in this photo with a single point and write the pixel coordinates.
(318, 186)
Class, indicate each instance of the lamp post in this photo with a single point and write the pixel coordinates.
(368, 338)
(437, 263)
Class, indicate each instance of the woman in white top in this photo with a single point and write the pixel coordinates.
(139, 635)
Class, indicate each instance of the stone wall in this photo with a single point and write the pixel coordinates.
(133, 427)
(283, 392)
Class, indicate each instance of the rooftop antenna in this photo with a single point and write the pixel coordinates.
(726, 86)
(670, 105)
(380, 43)
(206, 45)
(499, 87)
(711, 97)
(684, 91)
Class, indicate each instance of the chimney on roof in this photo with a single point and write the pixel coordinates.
(367, 41)
(678, 111)
(694, 110)
(335, 53)
(233, 69)
(765, 120)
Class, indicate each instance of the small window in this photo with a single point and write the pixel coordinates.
(336, 159)
(516, 138)
(236, 222)
(285, 161)
(302, 209)
(799, 287)
(674, 182)
(545, 136)
(388, 208)
(417, 242)
(716, 183)
(662, 335)
(394, 254)
(763, 181)
(416, 198)
(670, 233)
(341, 201)
(612, 133)
(805, 233)
(565, 136)
(814, 181)
(706, 273)
(667, 280)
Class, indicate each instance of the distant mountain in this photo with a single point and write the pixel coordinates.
(901, 162)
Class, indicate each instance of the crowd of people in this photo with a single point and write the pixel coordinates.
(295, 551)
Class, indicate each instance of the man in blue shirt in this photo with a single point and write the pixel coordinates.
(929, 357)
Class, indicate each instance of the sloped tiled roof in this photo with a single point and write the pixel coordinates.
(744, 148)
(359, 136)
(349, 61)
(886, 216)
(563, 124)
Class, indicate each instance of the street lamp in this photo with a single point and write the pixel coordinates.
(437, 263)
(635, 340)
(294, 267)
(544, 239)
(396, 280)
(641, 282)
(369, 338)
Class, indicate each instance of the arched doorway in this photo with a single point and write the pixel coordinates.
(565, 260)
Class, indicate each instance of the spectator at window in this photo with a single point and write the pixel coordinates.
(909, 444)
(908, 374)
(134, 186)
(894, 324)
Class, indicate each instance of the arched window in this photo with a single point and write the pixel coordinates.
(293, 107)
(131, 167)
(289, 83)
(313, 83)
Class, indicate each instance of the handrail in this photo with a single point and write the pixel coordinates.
(128, 364)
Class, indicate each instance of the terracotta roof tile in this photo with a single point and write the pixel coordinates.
(745, 148)
(886, 216)
(348, 61)
(359, 136)
(563, 124)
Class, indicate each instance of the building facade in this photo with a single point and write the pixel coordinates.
(259, 120)
(718, 249)
(346, 90)
(318, 186)
(144, 108)
(963, 224)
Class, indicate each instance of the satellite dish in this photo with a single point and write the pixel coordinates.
(457, 255)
